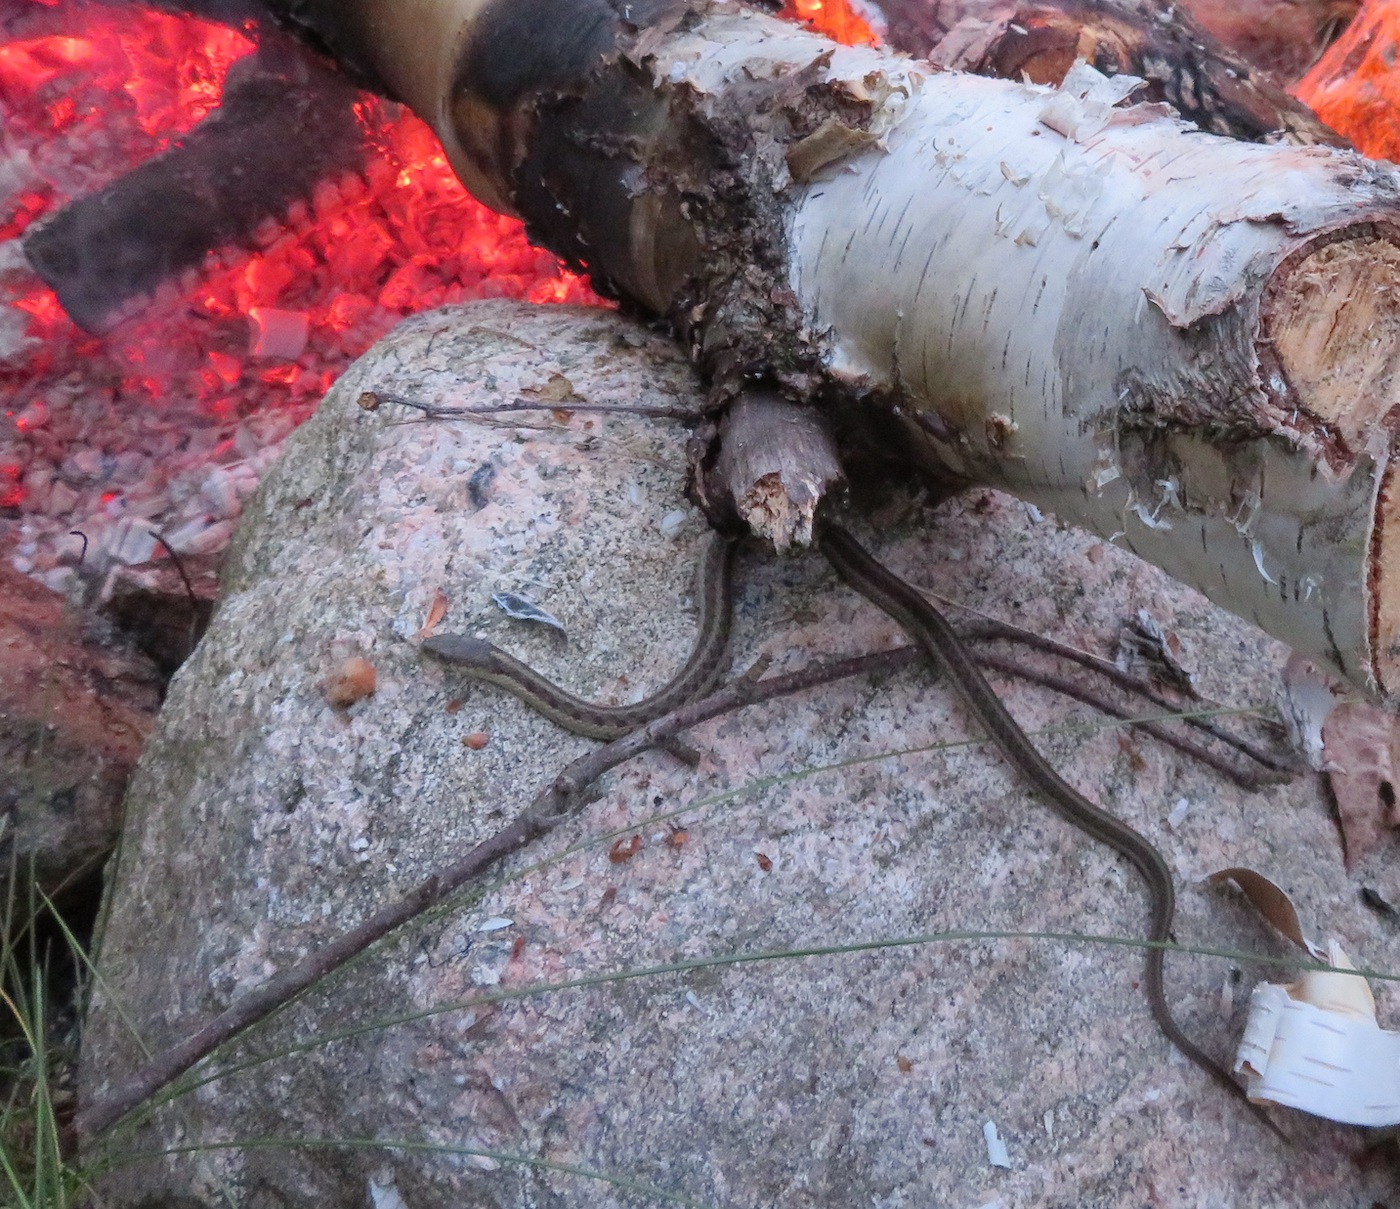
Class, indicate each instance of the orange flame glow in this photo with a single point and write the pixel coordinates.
(834, 18)
(1355, 86)
(366, 250)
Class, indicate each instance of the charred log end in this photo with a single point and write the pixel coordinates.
(632, 155)
(285, 122)
(495, 89)
(1332, 324)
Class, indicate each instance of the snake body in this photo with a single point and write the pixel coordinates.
(940, 642)
(714, 594)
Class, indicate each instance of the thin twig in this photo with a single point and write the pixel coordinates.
(994, 628)
(82, 558)
(189, 590)
(1252, 781)
(371, 399)
(550, 808)
(546, 812)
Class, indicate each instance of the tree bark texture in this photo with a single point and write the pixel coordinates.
(1182, 63)
(1182, 342)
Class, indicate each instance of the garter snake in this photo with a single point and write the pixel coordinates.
(940, 642)
(714, 594)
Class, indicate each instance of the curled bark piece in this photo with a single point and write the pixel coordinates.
(776, 463)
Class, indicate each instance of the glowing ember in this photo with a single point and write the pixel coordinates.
(168, 422)
(366, 253)
(129, 428)
(1355, 87)
(837, 19)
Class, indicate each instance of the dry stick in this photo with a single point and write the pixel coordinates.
(989, 627)
(548, 809)
(551, 807)
(371, 399)
(1252, 781)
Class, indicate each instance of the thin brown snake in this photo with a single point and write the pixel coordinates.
(931, 631)
(714, 594)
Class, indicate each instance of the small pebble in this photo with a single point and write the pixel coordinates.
(352, 681)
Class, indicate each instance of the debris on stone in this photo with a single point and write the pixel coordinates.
(1316, 1044)
(352, 681)
(522, 608)
(996, 1148)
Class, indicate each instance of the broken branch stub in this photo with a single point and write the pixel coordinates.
(1180, 342)
(776, 463)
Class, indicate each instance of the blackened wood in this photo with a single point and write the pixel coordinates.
(26, 19)
(1210, 84)
(1281, 37)
(285, 122)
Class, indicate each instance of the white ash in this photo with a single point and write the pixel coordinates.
(120, 501)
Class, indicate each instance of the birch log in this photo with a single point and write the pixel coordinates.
(1184, 343)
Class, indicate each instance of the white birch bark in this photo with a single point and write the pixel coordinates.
(1086, 297)
(1183, 343)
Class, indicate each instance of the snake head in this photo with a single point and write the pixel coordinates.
(461, 649)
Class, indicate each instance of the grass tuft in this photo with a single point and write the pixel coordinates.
(37, 1057)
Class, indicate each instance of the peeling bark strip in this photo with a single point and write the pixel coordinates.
(1183, 343)
(1209, 83)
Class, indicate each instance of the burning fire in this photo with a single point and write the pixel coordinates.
(366, 252)
(168, 421)
(834, 18)
(1355, 87)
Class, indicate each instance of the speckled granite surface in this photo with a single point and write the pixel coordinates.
(262, 821)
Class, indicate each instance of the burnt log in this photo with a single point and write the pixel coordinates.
(1282, 37)
(286, 121)
(1183, 64)
(250, 159)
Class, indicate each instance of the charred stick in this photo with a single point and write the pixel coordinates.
(286, 122)
(1252, 781)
